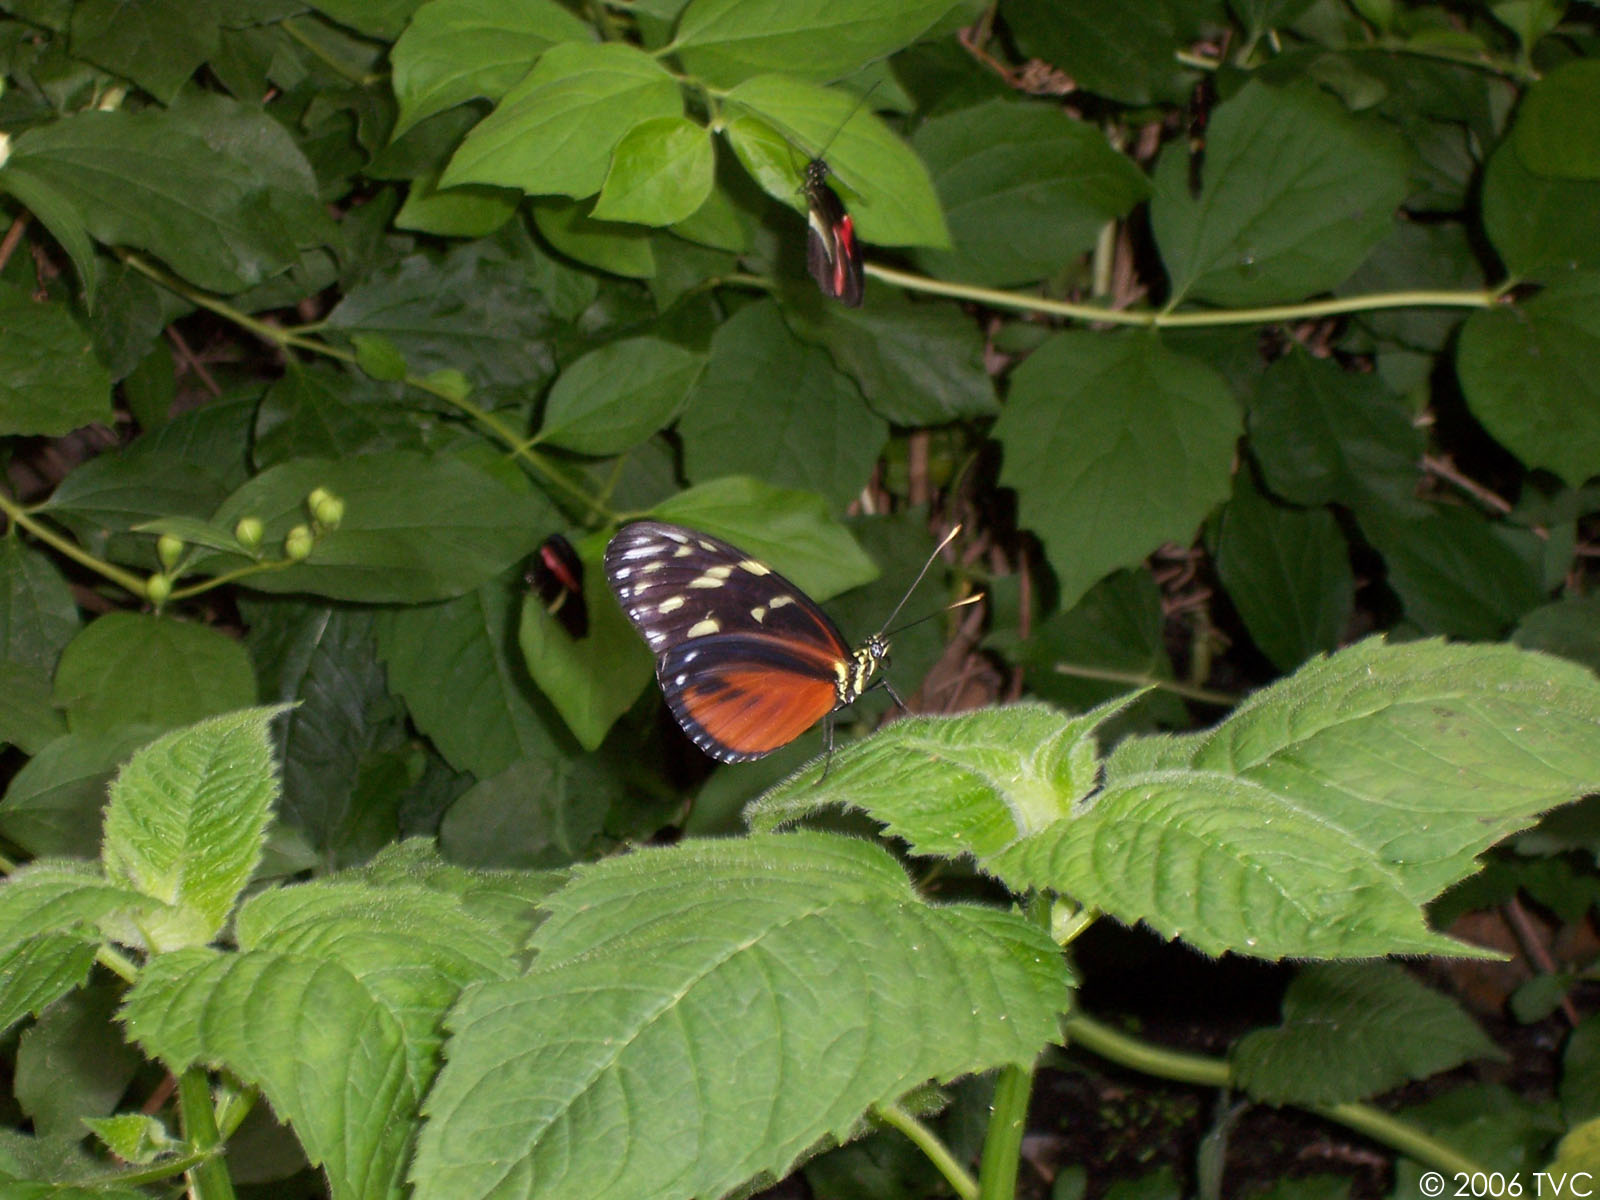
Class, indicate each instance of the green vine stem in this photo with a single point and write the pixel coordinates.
(1165, 319)
(518, 446)
(24, 519)
(1002, 1143)
(210, 1179)
(1215, 1072)
(957, 1176)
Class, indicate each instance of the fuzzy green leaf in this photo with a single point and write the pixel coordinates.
(679, 992)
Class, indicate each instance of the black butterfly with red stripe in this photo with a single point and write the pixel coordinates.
(556, 573)
(746, 660)
(833, 255)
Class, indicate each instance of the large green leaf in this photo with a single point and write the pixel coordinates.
(1543, 226)
(678, 993)
(1531, 374)
(1351, 1030)
(1296, 192)
(29, 719)
(156, 43)
(725, 41)
(661, 173)
(1114, 444)
(50, 381)
(816, 433)
(37, 614)
(483, 713)
(54, 801)
(1124, 49)
(1025, 189)
(615, 397)
(129, 668)
(884, 185)
(415, 527)
(553, 133)
(1558, 126)
(1314, 822)
(455, 50)
(73, 1064)
(219, 191)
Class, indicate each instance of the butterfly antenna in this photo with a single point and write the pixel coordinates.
(945, 541)
(848, 117)
(938, 612)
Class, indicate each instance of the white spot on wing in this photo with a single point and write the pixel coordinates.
(669, 605)
(755, 568)
(780, 601)
(705, 581)
(759, 613)
(703, 628)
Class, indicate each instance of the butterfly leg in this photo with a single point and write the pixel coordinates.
(894, 695)
(827, 744)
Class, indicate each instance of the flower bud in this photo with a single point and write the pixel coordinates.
(249, 531)
(157, 589)
(298, 544)
(169, 548)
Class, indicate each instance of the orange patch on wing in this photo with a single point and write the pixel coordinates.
(754, 711)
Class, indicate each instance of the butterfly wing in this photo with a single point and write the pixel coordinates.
(746, 660)
(832, 255)
(557, 575)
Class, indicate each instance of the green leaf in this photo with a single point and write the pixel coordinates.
(1114, 444)
(1569, 627)
(615, 397)
(616, 247)
(37, 614)
(72, 1063)
(1323, 434)
(53, 803)
(1296, 192)
(455, 50)
(217, 190)
(60, 216)
(156, 43)
(1025, 189)
(1542, 226)
(415, 528)
(1288, 573)
(725, 41)
(1123, 49)
(50, 381)
(1456, 571)
(130, 668)
(1580, 1072)
(916, 364)
(29, 719)
(477, 310)
(661, 173)
(1557, 131)
(38, 971)
(1531, 374)
(315, 412)
(345, 984)
(553, 133)
(594, 680)
(815, 431)
(186, 822)
(662, 1015)
(484, 713)
(536, 813)
(884, 185)
(794, 532)
(133, 1137)
(1352, 1030)
(470, 211)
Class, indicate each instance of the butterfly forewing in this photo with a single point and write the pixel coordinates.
(832, 256)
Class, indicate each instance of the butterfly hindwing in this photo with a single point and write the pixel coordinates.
(832, 255)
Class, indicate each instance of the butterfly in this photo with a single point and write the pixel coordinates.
(746, 660)
(556, 573)
(833, 255)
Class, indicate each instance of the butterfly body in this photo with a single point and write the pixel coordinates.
(557, 575)
(833, 255)
(746, 660)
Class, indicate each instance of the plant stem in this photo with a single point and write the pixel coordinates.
(1215, 1072)
(1135, 679)
(25, 520)
(1154, 319)
(1002, 1144)
(960, 1181)
(209, 1180)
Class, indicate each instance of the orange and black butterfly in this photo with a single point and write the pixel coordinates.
(832, 254)
(556, 573)
(746, 660)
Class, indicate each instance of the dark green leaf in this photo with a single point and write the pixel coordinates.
(1569, 627)
(59, 214)
(612, 246)
(1114, 444)
(1558, 126)
(469, 211)
(536, 813)
(661, 173)
(1287, 571)
(1531, 374)
(156, 43)
(53, 803)
(133, 668)
(37, 614)
(50, 381)
(615, 397)
(1025, 188)
(815, 432)
(1296, 192)
(483, 713)
(1351, 1030)
(455, 50)
(1543, 226)
(29, 719)
(725, 41)
(317, 412)
(73, 1063)
(554, 131)
(1123, 50)
(916, 364)
(415, 527)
